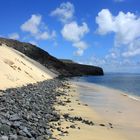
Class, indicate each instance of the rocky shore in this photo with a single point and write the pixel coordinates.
(29, 112)
(26, 112)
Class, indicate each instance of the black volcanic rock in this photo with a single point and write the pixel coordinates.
(52, 63)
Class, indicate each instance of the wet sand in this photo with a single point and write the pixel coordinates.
(103, 128)
(114, 106)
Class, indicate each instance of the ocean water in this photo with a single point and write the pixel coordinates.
(129, 83)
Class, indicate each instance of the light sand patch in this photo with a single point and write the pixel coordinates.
(16, 69)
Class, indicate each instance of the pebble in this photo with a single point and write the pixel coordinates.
(27, 112)
(4, 138)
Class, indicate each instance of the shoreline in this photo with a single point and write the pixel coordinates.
(54, 109)
(101, 128)
(114, 106)
(122, 92)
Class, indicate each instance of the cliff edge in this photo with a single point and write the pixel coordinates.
(53, 64)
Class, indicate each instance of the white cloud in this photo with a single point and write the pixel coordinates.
(64, 12)
(105, 22)
(113, 65)
(114, 53)
(37, 28)
(14, 36)
(81, 46)
(131, 53)
(133, 49)
(32, 24)
(74, 32)
(71, 31)
(125, 26)
(46, 35)
(93, 61)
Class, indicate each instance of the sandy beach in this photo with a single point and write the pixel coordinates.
(93, 112)
(115, 116)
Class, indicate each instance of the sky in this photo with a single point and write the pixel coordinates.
(103, 33)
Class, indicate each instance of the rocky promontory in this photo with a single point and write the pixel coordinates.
(55, 65)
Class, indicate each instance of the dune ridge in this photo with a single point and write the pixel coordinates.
(17, 69)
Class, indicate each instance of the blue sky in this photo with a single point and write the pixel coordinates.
(105, 33)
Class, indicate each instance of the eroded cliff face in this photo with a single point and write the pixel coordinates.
(53, 64)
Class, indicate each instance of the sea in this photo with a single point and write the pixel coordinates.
(127, 82)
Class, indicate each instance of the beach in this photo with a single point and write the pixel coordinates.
(115, 115)
(35, 104)
(56, 109)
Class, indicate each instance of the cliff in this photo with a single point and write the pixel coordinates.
(53, 64)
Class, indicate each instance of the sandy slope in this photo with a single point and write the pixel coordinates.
(16, 69)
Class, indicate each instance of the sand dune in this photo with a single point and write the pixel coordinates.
(16, 69)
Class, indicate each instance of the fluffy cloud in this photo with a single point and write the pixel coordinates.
(133, 49)
(32, 24)
(131, 53)
(14, 36)
(125, 26)
(74, 33)
(64, 12)
(71, 31)
(81, 46)
(93, 60)
(46, 35)
(37, 28)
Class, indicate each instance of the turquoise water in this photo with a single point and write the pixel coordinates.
(129, 83)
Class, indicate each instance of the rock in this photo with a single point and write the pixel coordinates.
(14, 117)
(22, 138)
(26, 112)
(13, 137)
(4, 121)
(16, 124)
(58, 128)
(4, 129)
(111, 125)
(68, 101)
(4, 138)
(66, 115)
(62, 134)
(25, 130)
(43, 137)
(102, 124)
(21, 133)
(72, 126)
(41, 130)
(48, 132)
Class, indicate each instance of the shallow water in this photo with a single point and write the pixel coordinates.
(129, 83)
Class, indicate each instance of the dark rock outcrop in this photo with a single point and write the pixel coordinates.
(52, 63)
